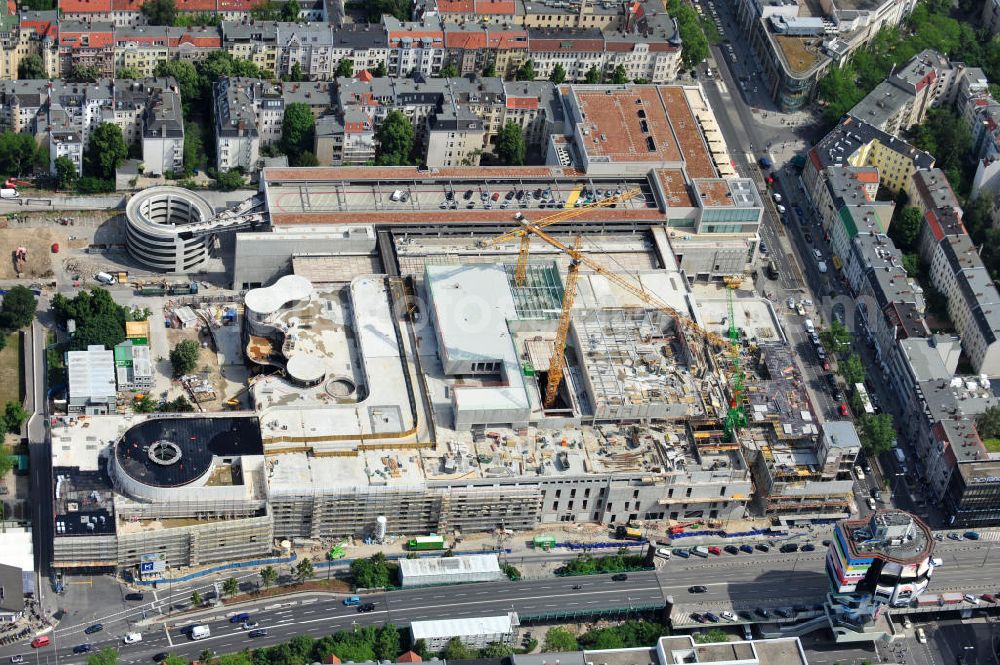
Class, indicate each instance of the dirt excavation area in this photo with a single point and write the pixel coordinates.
(38, 242)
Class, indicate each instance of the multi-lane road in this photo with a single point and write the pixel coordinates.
(733, 582)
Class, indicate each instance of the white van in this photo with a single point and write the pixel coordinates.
(200, 632)
(810, 328)
(104, 278)
(132, 638)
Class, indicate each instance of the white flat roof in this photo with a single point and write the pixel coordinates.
(497, 625)
(91, 372)
(452, 565)
(270, 299)
(16, 549)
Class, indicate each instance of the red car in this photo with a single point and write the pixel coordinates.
(715, 550)
(843, 410)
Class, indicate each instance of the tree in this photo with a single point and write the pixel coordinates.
(449, 71)
(837, 337)
(905, 231)
(179, 405)
(490, 70)
(304, 570)
(196, 599)
(268, 575)
(160, 12)
(345, 67)
(877, 433)
(18, 153)
(560, 639)
(265, 11)
(526, 72)
(387, 643)
(691, 32)
(510, 145)
(307, 158)
(380, 70)
(14, 416)
(229, 180)
(295, 74)
(558, 74)
(298, 130)
(988, 423)
(496, 650)
(184, 357)
(290, 12)
(105, 151)
(129, 73)
(84, 74)
(18, 308)
(144, 404)
(231, 587)
(512, 573)
(372, 573)
(188, 80)
(851, 369)
(714, 635)
(395, 140)
(99, 319)
(194, 150)
(66, 174)
(619, 75)
(593, 75)
(457, 650)
(31, 67)
(106, 656)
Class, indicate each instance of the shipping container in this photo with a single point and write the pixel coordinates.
(951, 598)
(928, 600)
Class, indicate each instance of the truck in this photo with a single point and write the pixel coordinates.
(200, 632)
(431, 542)
(628, 533)
(929, 600)
(952, 598)
(822, 266)
(7, 193)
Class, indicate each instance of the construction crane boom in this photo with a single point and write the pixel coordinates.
(637, 291)
(562, 331)
(521, 272)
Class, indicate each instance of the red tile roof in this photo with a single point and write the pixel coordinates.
(364, 75)
(508, 39)
(456, 6)
(85, 6)
(199, 39)
(126, 5)
(95, 38)
(196, 5)
(41, 28)
(567, 44)
(464, 39)
(409, 657)
(495, 7)
(522, 102)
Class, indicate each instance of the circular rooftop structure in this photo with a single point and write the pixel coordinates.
(305, 369)
(161, 455)
(269, 299)
(160, 231)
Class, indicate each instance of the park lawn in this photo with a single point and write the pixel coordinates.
(10, 369)
(992, 445)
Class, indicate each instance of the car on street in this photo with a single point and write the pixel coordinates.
(762, 613)
(135, 596)
(714, 550)
(972, 535)
(818, 254)
(250, 625)
(367, 607)
(746, 548)
(240, 617)
(844, 412)
(83, 648)
(96, 628)
(784, 613)
(697, 617)
(954, 536)
(684, 554)
(788, 548)
(728, 616)
(259, 632)
(808, 237)
(17, 659)
(697, 589)
(921, 636)
(619, 577)
(714, 618)
(780, 208)
(826, 543)
(907, 623)
(763, 548)
(732, 549)
(791, 303)
(808, 547)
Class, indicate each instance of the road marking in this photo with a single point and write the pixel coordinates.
(167, 633)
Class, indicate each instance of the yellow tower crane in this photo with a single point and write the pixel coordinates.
(578, 258)
(522, 258)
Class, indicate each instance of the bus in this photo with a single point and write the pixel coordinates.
(431, 542)
(866, 402)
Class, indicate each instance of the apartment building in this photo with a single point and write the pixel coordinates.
(414, 47)
(318, 50)
(86, 44)
(472, 47)
(796, 48)
(255, 42)
(456, 119)
(145, 47)
(39, 31)
(163, 133)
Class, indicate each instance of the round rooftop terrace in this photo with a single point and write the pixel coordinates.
(270, 299)
(167, 453)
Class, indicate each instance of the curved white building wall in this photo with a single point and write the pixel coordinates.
(154, 229)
